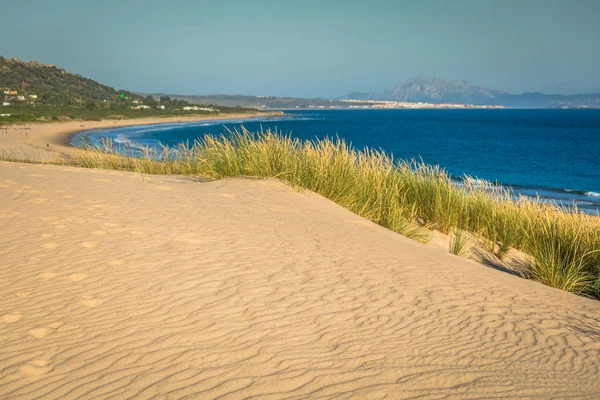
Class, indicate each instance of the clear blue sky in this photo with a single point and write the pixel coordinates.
(310, 48)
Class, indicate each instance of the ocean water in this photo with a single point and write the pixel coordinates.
(554, 154)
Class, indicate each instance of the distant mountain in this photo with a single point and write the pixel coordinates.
(366, 96)
(429, 89)
(437, 90)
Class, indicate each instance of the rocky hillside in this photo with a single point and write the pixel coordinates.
(437, 90)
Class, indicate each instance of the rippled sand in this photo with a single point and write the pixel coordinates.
(114, 285)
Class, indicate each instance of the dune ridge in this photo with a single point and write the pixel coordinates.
(119, 285)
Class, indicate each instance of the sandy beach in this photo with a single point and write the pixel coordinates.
(45, 141)
(118, 285)
(121, 285)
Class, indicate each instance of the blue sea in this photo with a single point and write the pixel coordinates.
(554, 154)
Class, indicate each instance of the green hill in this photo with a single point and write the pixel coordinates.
(52, 85)
(31, 91)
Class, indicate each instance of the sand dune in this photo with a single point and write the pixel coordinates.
(117, 285)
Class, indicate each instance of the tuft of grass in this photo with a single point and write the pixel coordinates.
(407, 197)
(26, 156)
(566, 253)
(458, 243)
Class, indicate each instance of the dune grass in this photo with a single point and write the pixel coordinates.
(458, 242)
(404, 196)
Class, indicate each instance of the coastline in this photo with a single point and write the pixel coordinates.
(48, 140)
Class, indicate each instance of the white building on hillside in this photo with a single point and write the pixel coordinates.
(196, 108)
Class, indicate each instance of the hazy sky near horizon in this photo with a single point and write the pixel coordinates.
(310, 48)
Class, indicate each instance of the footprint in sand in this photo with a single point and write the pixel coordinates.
(49, 246)
(38, 201)
(36, 368)
(88, 245)
(91, 301)
(24, 293)
(48, 275)
(77, 277)
(42, 332)
(377, 395)
(10, 318)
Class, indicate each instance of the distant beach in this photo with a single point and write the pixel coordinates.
(46, 140)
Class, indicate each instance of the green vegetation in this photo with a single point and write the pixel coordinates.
(44, 93)
(20, 115)
(458, 242)
(268, 102)
(405, 197)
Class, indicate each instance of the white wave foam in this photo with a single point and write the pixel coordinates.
(592, 194)
(122, 139)
(161, 129)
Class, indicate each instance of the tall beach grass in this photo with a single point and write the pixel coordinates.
(404, 196)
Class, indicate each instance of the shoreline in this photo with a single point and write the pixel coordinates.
(48, 140)
(44, 141)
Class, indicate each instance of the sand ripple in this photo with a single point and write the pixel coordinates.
(247, 289)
